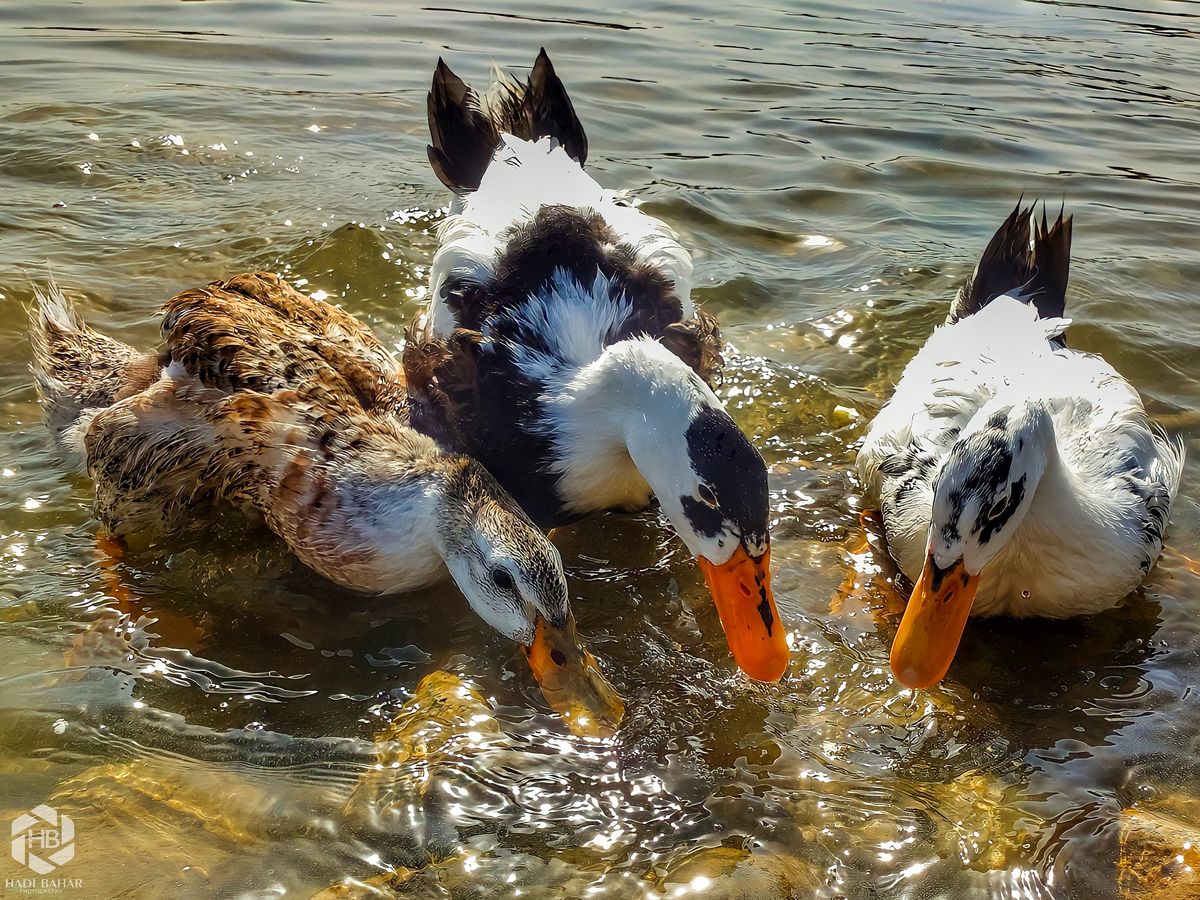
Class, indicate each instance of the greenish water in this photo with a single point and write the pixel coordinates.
(837, 168)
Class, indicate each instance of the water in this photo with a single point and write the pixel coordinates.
(205, 710)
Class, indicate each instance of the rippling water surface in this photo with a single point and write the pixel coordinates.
(207, 710)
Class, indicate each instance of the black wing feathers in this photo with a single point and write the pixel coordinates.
(463, 137)
(548, 111)
(464, 134)
(1052, 266)
(1035, 268)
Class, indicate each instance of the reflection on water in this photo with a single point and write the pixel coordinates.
(219, 722)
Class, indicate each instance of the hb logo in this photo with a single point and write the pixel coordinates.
(43, 840)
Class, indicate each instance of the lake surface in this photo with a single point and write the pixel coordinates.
(205, 709)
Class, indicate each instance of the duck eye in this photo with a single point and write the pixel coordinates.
(998, 508)
(707, 495)
(502, 579)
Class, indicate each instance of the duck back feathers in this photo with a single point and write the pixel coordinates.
(256, 332)
(1033, 267)
(581, 244)
(255, 380)
(465, 129)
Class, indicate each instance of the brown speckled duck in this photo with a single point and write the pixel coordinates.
(290, 408)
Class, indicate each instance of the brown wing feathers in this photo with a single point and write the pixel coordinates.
(257, 332)
(441, 381)
(268, 380)
(698, 343)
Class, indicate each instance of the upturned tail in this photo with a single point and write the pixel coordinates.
(75, 367)
(1025, 258)
(465, 129)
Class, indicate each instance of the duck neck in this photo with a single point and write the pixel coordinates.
(1070, 508)
(619, 423)
(1070, 503)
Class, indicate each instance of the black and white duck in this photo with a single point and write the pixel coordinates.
(1017, 476)
(562, 349)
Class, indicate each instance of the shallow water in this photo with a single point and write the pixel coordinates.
(837, 169)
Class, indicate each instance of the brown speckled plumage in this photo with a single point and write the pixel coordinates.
(697, 341)
(256, 332)
(287, 407)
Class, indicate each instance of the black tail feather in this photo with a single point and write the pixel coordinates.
(548, 111)
(1003, 266)
(1052, 265)
(464, 134)
(1034, 267)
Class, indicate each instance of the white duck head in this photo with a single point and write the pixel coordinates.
(639, 403)
(981, 496)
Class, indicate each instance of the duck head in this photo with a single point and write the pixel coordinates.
(710, 481)
(981, 496)
(718, 503)
(512, 576)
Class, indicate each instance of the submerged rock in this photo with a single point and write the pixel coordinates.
(170, 827)
(205, 827)
(1159, 856)
(447, 721)
(731, 873)
(497, 874)
(718, 873)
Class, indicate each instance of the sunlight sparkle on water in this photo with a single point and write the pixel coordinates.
(844, 775)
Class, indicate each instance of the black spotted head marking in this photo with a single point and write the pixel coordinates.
(977, 472)
(986, 483)
(989, 521)
(733, 495)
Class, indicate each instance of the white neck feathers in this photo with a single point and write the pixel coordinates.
(620, 423)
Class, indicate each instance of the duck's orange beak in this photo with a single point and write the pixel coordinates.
(933, 624)
(741, 590)
(571, 681)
